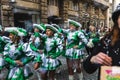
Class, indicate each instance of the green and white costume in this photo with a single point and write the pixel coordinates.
(22, 53)
(75, 38)
(32, 51)
(94, 37)
(52, 50)
(25, 53)
(37, 41)
(3, 41)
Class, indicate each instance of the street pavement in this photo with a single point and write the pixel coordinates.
(61, 73)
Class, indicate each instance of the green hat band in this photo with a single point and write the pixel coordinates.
(48, 26)
(76, 25)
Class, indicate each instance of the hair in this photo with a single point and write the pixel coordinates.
(5, 33)
(26, 38)
(115, 34)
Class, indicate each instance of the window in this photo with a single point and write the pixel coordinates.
(36, 18)
(73, 5)
(85, 6)
(36, 1)
(53, 2)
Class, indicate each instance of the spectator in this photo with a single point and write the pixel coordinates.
(107, 51)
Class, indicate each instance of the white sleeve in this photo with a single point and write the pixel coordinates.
(82, 37)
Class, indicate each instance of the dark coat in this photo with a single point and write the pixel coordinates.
(104, 46)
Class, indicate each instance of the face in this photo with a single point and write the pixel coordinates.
(119, 21)
(11, 36)
(36, 30)
(49, 32)
(72, 27)
(92, 28)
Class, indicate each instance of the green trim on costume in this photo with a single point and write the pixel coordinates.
(75, 23)
(9, 60)
(22, 32)
(27, 60)
(95, 40)
(81, 46)
(33, 47)
(36, 34)
(48, 26)
(38, 59)
(40, 26)
(2, 45)
(74, 57)
(52, 68)
(56, 54)
(14, 32)
(19, 75)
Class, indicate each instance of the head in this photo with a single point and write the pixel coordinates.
(116, 28)
(12, 37)
(118, 21)
(36, 29)
(72, 27)
(49, 32)
(102, 29)
(92, 28)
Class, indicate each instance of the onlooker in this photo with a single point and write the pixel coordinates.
(107, 51)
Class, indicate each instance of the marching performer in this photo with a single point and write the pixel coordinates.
(17, 56)
(94, 38)
(4, 39)
(35, 37)
(52, 50)
(75, 47)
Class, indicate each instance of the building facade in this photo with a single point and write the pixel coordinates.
(115, 3)
(22, 13)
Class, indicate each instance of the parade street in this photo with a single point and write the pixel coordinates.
(59, 39)
(62, 73)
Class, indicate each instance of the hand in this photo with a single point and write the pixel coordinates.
(18, 62)
(75, 47)
(33, 39)
(40, 51)
(36, 65)
(90, 44)
(102, 58)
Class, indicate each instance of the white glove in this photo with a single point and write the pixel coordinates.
(90, 44)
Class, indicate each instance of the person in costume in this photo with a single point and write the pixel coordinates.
(107, 51)
(35, 37)
(59, 35)
(102, 32)
(93, 37)
(76, 42)
(4, 39)
(60, 38)
(17, 57)
(52, 50)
